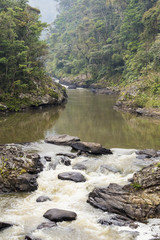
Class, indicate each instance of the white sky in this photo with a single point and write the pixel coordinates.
(47, 7)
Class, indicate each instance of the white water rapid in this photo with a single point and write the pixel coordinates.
(27, 214)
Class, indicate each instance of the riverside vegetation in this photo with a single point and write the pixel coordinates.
(109, 43)
(23, 79)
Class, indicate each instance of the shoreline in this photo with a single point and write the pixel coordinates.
(120, 105)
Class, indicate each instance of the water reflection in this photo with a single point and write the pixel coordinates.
(89, 116)
(27, 126)
(92, 118)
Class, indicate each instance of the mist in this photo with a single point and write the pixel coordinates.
(48, 9)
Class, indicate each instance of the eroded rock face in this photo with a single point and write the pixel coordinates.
(138, 201)
(59, 215)
(18, 169)
(72, 176)
(92, 148)
(62, 140)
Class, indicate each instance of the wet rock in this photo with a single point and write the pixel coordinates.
(64, 160)
(148, 153)
(105, 167)
(138, 201)
(58, 215)
(4, 225)
(72, 176)
(43, 199)
(79, 166)
(48, 159)
(81, 153)
(142, 156)
(118, 220)
(62, 140)
(92, 148)
(69, 155)
(19, 169)
(23, 183)
(47, 225)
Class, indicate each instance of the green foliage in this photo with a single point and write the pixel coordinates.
(158, 164)
(108, 40)
(22, 53)
(136, 186)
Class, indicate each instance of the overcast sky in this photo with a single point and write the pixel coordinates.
(48, 9)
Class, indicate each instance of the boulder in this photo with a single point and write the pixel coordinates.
(72, 176)
(79, 166)
(47, 225)
(62, 140)
(118, 220)
(64, 160)
(89, 147)
(48, 159)
(58, 215)
(19, 169)
(69, 155)
(4, 225)
(43, 199)
(148, 153)
(138, 201)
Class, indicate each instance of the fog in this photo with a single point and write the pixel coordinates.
(48, 9)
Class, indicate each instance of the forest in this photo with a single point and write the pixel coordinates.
(23, 77)
(113, 43)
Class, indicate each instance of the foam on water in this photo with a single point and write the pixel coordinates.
(27, 214)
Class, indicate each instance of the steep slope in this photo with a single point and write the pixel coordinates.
(107, 43)
(23, 78)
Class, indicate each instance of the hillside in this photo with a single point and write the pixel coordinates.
(23, 78)
(109, 43)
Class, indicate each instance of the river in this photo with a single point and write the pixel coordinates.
(92, 118)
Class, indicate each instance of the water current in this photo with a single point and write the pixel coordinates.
(89, 117)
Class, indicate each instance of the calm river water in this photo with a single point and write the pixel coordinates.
(92, 118)
(86, 115)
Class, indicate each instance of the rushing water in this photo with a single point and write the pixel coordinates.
(27, 214)
(88, 116)
(92, 118)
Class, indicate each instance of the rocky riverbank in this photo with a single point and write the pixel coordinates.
(18, 169)
(137, 201)
(51, 94)
(133, 98)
